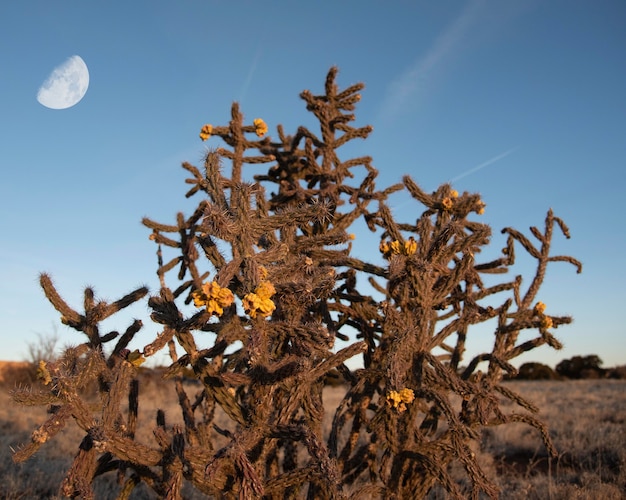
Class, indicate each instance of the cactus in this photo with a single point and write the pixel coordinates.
(272, 280)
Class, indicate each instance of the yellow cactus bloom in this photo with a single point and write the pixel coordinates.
(400, 399)
(352, 236)
(260, 127)
(395, 246)
(214, 297)
(454, 193)
(539, 308)
(206, 132)
(447, 203)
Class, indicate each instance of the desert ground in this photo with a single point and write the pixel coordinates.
(586, 418)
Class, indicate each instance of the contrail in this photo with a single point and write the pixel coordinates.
(246, 84)
(485, 164)
(470, 171)
(403, 90)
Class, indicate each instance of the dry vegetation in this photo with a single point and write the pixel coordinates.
(256, 286)
(587, 420)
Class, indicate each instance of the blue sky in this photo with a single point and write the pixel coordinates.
(523, 102)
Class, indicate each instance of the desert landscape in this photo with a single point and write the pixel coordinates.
(586, 420)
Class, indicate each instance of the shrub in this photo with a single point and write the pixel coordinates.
(536, 371)
(14, 373)
(274, 283)
(581, 367)
(617, 372)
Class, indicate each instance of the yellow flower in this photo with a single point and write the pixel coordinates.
(399, 400)
(540, 307)
(206, 132)
(352, 236)
(454, 193)
(214, 297)
(260, 127)
(447, 203)
(395, 246)
(481, 208)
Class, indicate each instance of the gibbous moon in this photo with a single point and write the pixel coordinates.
(66, 85)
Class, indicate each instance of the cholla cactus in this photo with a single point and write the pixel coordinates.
(273, 278)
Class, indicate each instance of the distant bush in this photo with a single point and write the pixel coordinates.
(618, 372)
(580, 367)
(262, 282)
(17, 373)
(536, 371)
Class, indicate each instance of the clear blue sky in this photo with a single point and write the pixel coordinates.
(522, 101)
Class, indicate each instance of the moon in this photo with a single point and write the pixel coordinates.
(66, 85)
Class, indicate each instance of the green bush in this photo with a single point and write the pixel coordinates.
(268, 271)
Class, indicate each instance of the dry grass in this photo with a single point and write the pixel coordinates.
(587, 420)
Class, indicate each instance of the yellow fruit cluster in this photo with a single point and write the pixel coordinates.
(399, 399)
(260, 301)
(260, 128)
(214, 297)
(409, 247)
(206, 132)
(546, 321)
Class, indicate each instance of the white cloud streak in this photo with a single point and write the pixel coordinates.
(246, 84)
(484, 164)
(403, 91)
